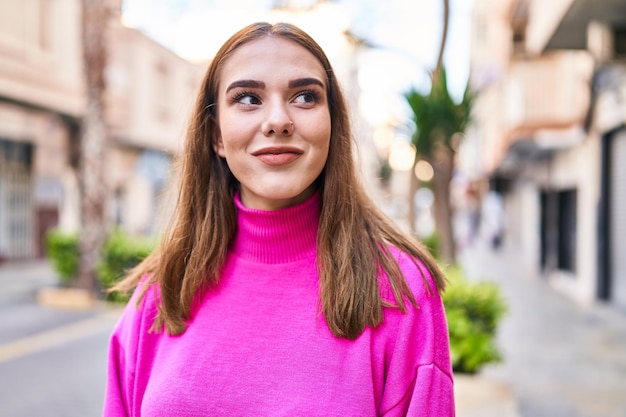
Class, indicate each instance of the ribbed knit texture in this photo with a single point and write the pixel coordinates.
(274, 237)
(257, 344)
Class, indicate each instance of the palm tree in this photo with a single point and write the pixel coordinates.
(438, 123)
(93, 143)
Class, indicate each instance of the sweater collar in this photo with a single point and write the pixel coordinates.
(279, 236)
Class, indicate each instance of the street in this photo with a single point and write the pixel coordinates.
(52, 362)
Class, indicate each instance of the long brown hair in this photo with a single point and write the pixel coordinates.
(353, 234)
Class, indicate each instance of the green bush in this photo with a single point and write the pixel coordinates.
(474, 310)
(119, 254)
(432, 244)
(62, 250)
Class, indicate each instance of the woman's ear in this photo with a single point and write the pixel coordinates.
(218, 143)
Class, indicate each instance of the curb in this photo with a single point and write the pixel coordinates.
(478, 396)
(67, 299)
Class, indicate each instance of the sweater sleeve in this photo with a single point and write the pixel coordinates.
(419, 378)
(124, 345)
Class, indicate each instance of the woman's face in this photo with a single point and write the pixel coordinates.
(273, 122)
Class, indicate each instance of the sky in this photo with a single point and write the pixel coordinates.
(405, 33)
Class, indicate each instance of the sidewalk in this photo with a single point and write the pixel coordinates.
(36, 279)
(19, 280)
(481, 396)
(560, 359)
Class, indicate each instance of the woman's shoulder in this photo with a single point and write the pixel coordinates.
(142, 308)
(424, 320)
(416, 274)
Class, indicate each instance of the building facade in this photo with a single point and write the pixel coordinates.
(149, 95)
(548, 136)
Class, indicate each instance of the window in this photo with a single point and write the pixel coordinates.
(619, 41)
(23, 24)
(559, 212)
(567, 208)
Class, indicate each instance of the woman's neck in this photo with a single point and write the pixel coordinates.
(279, 236)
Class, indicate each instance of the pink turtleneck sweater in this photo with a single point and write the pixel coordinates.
(257, 345)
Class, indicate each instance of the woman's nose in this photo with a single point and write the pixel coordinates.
(277, 121)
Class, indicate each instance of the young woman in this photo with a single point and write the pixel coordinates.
(279, 289)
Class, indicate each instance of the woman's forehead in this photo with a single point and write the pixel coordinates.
(273, 57)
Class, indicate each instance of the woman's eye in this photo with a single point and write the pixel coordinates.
(247, 99)
(306, 97)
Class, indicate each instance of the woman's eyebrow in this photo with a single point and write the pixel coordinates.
(246, 84)
(303, 82)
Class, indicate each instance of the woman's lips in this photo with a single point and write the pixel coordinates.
(278, 156)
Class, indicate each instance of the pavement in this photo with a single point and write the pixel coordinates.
(52, 360)
(37, 313)
(560, 359)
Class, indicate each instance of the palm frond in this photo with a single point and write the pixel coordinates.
(436, 116)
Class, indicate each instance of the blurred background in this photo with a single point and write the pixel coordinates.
(492, 130)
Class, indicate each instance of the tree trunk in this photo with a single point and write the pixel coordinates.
(442, 163)
(442, 44)
(93, 142)
(444, 228)
(413, 186)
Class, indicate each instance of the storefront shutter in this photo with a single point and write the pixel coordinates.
(617, 219)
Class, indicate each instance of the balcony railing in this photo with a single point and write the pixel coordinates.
(551, 92)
